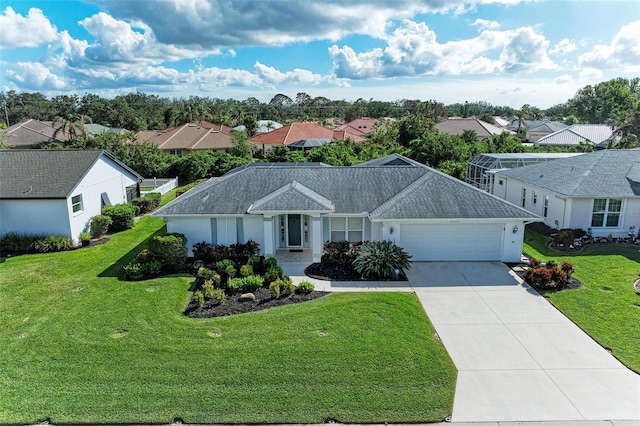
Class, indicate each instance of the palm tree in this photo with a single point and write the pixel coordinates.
(73, 125)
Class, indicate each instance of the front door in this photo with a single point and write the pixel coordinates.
(294, 227)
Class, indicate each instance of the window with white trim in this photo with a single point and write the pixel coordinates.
(606, 212)
(176, 152)
(546, 206)
(534, 198)
(347, 228)
(524, 196)
(76, 203)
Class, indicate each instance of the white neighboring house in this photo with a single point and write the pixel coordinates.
(58, 191)
(598, 190)
(597, 135)
(297, 207)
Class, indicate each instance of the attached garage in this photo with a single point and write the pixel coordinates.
(460, 241)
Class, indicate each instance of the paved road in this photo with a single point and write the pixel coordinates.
(518, 358)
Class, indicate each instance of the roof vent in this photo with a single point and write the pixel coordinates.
(28, 190)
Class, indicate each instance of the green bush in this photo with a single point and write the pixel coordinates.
(380, 259)
(144, 204)
(305, 287)
(246, 270)
(53, 243)
(274, 289)
(207, 289)
(235, 285)
(566, 237)
(170, 249)
(252, 283)
(222, 265)
(99, 225)
(254, 261)
(133, 270)
(209, 275)
(198, 298)
(269, 262)
(336, 253)
(154, 197)
(153, 267)
(273, 273)
(230, 271)
(16, 243)
(241, 252)
(219, 296)
(122, 216)
(209, 253)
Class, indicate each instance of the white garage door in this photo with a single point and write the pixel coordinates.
(452, 241)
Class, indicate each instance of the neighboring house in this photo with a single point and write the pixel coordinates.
(457, 126)
(58, 191)
(298, 207)
(263, 126)
(189, 137)
(597, 135)
(482, 168)
(32, 133)
(295, 132)
(362, 126)
(598, 190)
(540, 130)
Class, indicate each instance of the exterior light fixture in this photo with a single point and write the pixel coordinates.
(515, 229)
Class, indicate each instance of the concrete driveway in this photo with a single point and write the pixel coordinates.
(518, 358)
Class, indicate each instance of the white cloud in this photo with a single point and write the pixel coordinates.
(484, 24)
(35, 76)
(623, 53)
(563, 47)
(32, 30)
(271, 75)
(413, 49)
(563, 79)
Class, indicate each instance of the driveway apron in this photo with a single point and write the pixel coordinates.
(518, 358)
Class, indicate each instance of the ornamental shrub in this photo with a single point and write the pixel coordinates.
(170, 249)
(231, 271)
(380, 260)
(274, 289)
(209, 275)
(133, 270)
(144, 204)
(305, 287)
(269, 262)
(16, 243)
(273, 273)
(99, 225)
(252, 283)
(219, 296)
(207, 289)
(567, 268)
(549, 276)
(235, 285)
(246, 270)
(336, 253)
(222, 265)
(122, 216)
(241, 252)
(53, 243)
(154, 197)
(198, 298)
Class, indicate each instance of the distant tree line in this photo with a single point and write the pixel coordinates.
(614, 102)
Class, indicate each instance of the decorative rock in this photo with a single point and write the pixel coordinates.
(247, 297)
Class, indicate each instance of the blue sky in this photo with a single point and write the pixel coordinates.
(507, 52)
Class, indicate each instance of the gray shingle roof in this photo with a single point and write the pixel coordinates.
(292, 197)
(42, 173)
(596, 134)
(606, 173)
(391, 192)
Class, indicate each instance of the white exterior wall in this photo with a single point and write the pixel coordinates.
(512, 242)
(35, 217)
(196, 229)
(376, 231)
(581, 217)
(254, 230)
(104, 176)
(227, 232)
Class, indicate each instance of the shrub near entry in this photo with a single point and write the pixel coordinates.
(122, 216)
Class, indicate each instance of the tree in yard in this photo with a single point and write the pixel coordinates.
(73, 125)
(241, 147)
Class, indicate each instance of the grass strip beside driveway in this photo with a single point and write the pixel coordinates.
(606, 307)
(81, 346)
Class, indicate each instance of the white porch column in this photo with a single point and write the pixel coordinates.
(316, 238)
(269, 250)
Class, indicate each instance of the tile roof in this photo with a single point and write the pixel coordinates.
(606, 173)
(190, 137)
(389, 192)
(457, 126)
(548, 127)
(44, 173)
(30, 133)
(293, 133)
(362, 126)
(597, 134)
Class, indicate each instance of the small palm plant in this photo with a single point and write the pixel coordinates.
(381, 260)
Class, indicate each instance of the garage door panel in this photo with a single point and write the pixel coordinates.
(452, 241)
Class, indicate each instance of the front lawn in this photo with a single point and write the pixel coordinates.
(79, 345)
(607, 306)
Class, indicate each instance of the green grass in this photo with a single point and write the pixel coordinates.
(606, 307)
(78, 345)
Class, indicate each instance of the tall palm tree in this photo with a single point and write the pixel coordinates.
(73, 125)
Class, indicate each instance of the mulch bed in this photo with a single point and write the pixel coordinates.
(233, 305)
(322, 271)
